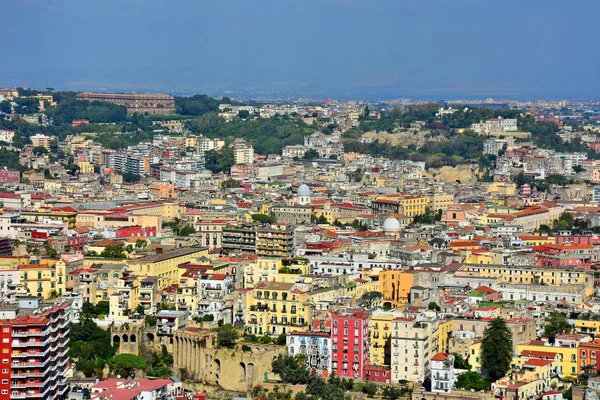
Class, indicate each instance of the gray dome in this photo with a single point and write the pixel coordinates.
(391, 225)
(303, 190)
(342, 178)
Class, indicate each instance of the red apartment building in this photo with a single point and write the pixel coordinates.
(350, 343)
(34, 355)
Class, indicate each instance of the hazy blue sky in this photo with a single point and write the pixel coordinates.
(392, 48)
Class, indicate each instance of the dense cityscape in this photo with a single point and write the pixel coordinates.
(173, 246)
(300, 200)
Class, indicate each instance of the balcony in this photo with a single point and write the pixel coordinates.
(29, 343)
(17, 334)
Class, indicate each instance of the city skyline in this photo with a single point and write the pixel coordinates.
(343, 49)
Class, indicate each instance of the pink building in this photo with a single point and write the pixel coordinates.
(557, 255)
(7, 176)
(350, 343)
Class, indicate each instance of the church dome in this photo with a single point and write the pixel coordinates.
(391, 225)
(342, 178)
(303, 190)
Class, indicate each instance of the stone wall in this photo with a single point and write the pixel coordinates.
(196, 353)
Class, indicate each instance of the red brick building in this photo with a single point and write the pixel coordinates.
(35, 355)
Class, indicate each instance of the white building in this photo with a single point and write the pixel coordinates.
(316, 348)
(6, 135)
(496, 125)
(442, 373)
(243, 153)
(411, 349)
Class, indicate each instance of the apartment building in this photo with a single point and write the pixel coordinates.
(411, 349)
(275, 241)
(350, 343)
(35, 355)
(277, 307)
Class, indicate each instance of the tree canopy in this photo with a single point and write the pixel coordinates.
(370, 299)
(126, 365)
(227, 335)
(496, 350)
(556, 324)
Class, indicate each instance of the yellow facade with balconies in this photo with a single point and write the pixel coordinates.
(274, 308)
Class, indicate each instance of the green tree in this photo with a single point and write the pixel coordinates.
(391, 392)
(556, 324)
(311, 154)
(263, 218)
(291, 369)
(370, 299)
(322, 220)
(460, 362)
(5, 107)
(219, 161)
(243, 114)
(227, 335)
(434, 306)
(140, 309)
(39, 150)
(472, 380)
(369, 388)
(126, 365)
(186, 230)
(496, 350)
(229, 184)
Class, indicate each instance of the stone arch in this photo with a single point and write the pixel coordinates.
(150, 337)
(243, 371)
(132, 338)
(117, 339)
(125, 338)
(218, 362)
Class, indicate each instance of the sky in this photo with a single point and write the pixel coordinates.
(437, 49)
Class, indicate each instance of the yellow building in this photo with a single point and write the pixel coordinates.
(502, 188)
(395, 286)
(164, 265)
(441, 200)
(444, 332)
(277, 307)
(536, 240)
(587, 327)
(86, 167)
(273, 269)
(475, 355)
(380, 334)
(37, 280)
(567, 355)
(530, 275)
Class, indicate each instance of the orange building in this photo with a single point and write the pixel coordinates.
(163, 190)
(395, 285)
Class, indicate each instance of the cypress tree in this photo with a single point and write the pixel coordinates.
(496, 350)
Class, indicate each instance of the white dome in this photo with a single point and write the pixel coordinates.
(342, 178)
(391, 225)
(303, 190)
